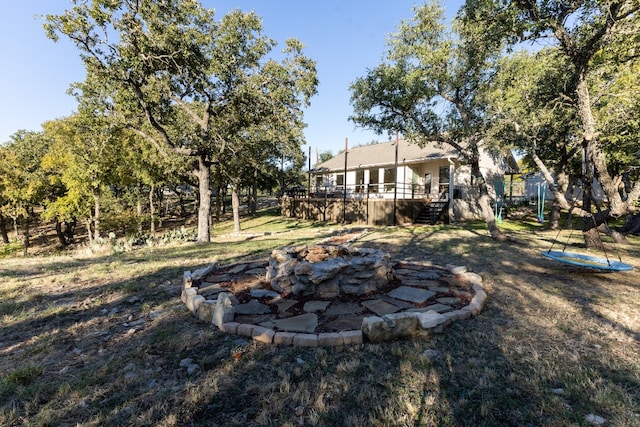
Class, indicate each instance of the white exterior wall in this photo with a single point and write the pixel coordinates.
(410, 180)
(405, 179)
(351, 179)
(461, 174)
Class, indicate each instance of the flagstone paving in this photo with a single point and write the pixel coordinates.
(338, 308)
(345, 322)
(252, 307)
(307, 322)
(434, 294)
(284, 305)
(397, 302)
(379, 307)
(313, 306)
(411, 294)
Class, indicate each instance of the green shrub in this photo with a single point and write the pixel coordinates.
(9, 249)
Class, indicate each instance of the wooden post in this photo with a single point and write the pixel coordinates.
(344, 183)
(309, 188)
(452, 173)
(395, 186)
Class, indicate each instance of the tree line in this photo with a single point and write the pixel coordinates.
(93, 177)
(173, 95)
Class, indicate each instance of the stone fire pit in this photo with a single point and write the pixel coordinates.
(331, 294)
(328, 271)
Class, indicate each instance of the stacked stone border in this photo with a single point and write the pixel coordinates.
(374, 328)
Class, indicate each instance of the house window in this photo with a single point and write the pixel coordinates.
(443, 178)
(374, 179)
(389, 179)
(339, 182)
(320, 184)
(360, 181)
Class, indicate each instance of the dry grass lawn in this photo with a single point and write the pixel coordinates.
(95, 339)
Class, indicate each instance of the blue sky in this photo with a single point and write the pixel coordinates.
(345, 37)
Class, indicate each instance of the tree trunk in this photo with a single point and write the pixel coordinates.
(632, 224)
(160, 198)
(204, 210)
(590, 226)
(219, 199)
(595, 154)
(562, 185)
(25, 237)
(615, 235)
(152, 212)
(596, 224)
(139, 208)
(16, 231)
(592, 236)
(181, 202)
(69, 230)
(554, 216)
(60, 234)
(196, 196)
(235, 203)
(3, 230)
(96, 217)
(253, 198)
(218, 213)
(484, 201)
(223, 202)
(89, 233)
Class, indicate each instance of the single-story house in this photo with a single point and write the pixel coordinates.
(405, 171)
(373, 170)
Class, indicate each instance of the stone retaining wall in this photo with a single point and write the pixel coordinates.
(221, 312)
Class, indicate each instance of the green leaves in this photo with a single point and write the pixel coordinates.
(202, 88)
(556, 102)
(22, 184)
(429, 87)
(172, 55)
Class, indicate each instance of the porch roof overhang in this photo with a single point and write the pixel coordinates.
(383, 155)
(401, 162)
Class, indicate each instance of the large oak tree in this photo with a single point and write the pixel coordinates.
(22, 182)
(590, 36)
(186, 82)
(429, 89)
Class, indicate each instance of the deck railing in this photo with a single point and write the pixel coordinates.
(364, 191)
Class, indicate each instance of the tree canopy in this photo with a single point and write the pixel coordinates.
(429, 88)
(594, 44)
(187, 82)
(22, 182)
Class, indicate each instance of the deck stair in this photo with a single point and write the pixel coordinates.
(433, 212)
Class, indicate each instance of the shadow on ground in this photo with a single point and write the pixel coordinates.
(552, 346)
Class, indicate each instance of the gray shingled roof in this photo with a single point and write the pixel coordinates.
(383, 154)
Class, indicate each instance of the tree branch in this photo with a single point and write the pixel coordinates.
(194, 116)
(559, 197)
